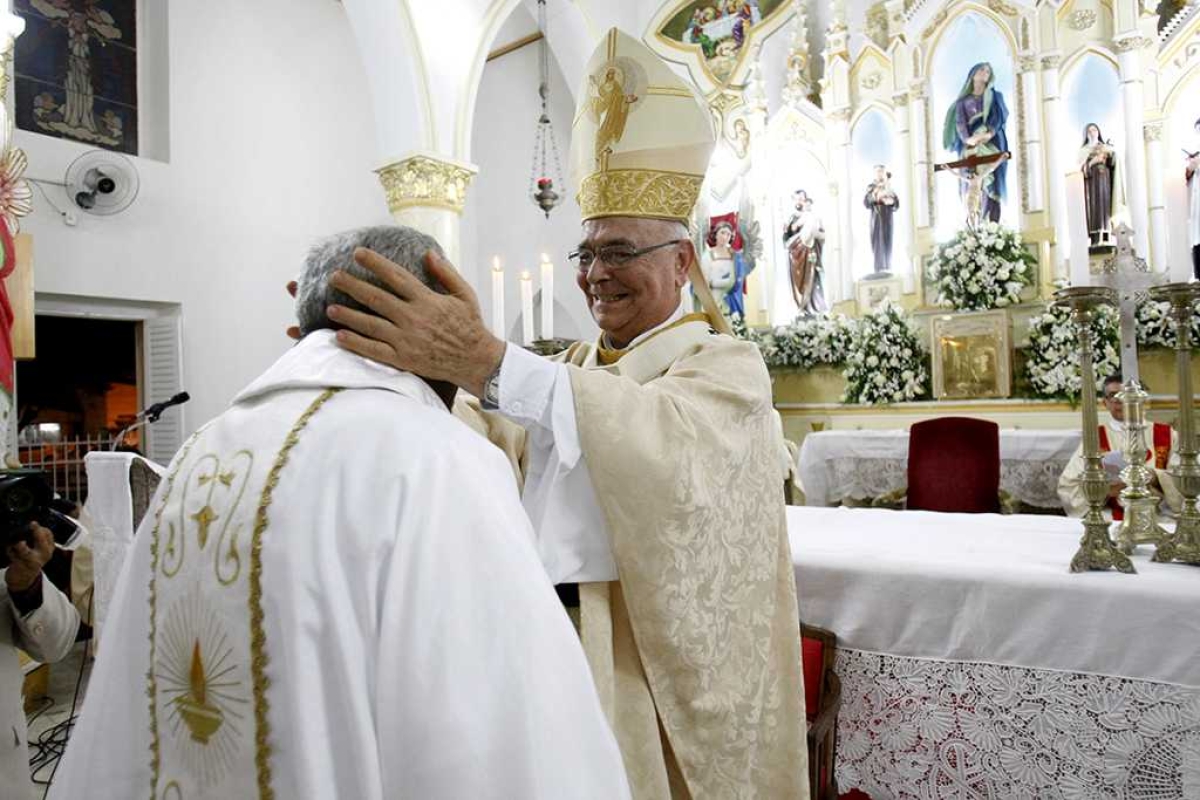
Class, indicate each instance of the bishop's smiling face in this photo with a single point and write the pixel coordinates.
(626, 301)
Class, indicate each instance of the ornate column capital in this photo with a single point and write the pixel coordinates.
(1051, 61)
(841, 115)
(1152, 131)
(426, 180)
(1028, 63)
(1129, 44)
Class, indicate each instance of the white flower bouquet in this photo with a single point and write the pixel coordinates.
(805, 343)
(1053, 354)
(981, 269)
(887, 363)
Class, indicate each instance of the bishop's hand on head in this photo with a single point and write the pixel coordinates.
(434, 335)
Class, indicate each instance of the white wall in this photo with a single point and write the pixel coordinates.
(271, 145)
(499, 218)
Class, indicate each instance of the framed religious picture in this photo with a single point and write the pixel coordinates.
(972, 355)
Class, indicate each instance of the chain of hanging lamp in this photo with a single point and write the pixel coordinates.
(545, 148)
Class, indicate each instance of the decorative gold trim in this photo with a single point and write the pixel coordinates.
(258, 639)
(639, 193)
(425, 181)
(151, 684)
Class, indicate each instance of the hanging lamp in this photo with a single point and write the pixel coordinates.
(545, 149)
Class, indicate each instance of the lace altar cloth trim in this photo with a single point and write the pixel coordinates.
(1032, 482)
(920, 728)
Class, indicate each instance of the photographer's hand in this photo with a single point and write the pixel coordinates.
(26, 561)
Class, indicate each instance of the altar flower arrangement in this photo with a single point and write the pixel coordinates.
(887, 363)
(1155, 328)
(810, 341)
(981, 269)
(805, 343)
(1053, 354)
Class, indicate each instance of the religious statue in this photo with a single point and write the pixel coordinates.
(609, 103)
(1193, 182)
(15, 197)
(1098, 162)
(727, 260)
(741, 138)
(882, 202)
(804, 237)
(974, 127)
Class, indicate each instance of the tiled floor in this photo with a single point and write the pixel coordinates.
(63, 678)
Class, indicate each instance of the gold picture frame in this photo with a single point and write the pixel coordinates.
(972, 355)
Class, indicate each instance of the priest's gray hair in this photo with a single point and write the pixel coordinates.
(403, 246)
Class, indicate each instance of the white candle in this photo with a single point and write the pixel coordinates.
(497, 298)
(547, 298)
(527, 306)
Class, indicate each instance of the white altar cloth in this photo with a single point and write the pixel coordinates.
(835, 465)
(974, 665)
(109, 508)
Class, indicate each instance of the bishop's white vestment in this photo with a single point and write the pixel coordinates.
(336, 595)
(653, 478)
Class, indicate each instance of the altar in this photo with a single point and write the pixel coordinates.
(839, 466)
(974, 665)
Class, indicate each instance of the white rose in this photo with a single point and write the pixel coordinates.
(879, 379)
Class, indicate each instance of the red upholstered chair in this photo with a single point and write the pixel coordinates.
(822, 699)
(954, 466)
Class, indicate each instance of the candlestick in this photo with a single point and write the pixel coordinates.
(497, 299)
(1184, 544)
(527, 307)
(547, 298)
(1096, 549)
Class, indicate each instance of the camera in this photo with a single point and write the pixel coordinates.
(26, 497)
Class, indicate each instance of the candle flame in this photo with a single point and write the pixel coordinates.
(496, 263)
(545, 258)
(525, 276)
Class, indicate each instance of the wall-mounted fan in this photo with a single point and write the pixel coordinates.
(101, 182)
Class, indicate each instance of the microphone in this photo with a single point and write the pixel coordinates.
(155, 411)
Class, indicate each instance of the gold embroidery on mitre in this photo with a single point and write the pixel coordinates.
(201, 717)
(639, 193)
(614, 92)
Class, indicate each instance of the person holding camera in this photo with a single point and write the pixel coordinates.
(39, 619)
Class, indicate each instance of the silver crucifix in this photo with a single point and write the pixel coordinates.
(1132, 278)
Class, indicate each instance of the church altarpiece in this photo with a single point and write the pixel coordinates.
(841, 171)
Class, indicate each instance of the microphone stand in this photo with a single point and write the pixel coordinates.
(128, 430)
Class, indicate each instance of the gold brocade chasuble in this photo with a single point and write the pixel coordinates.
(696, 650)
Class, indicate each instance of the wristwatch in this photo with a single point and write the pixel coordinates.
(491, 391)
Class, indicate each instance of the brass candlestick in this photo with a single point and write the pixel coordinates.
(1140, 525)
(1096, 549)
(1184, 544)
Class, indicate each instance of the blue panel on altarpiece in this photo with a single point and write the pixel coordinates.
(76, 71)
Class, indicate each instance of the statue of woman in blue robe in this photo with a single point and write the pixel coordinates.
(975, 127)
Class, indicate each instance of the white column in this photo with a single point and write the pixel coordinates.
(1034, 164)
(1133, 113)
(1158, 200)
(902, 170)
(1054, 164)
(843, 195)
(919, 125)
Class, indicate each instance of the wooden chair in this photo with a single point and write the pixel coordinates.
(822, 699)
